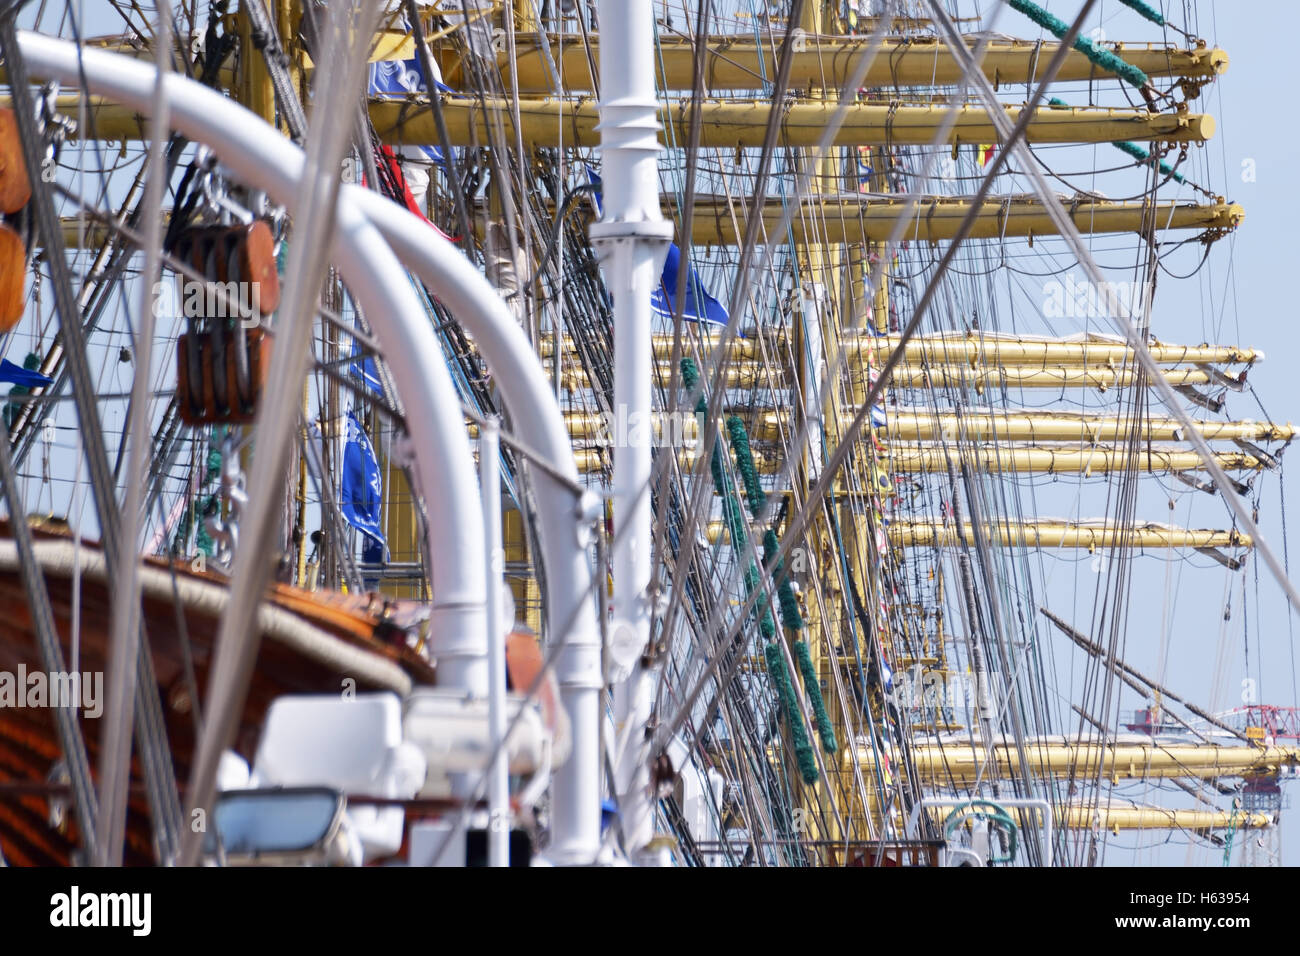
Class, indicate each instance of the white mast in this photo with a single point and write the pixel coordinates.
(631, 240)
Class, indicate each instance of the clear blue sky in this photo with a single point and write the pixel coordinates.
(1177, 626)
(1250, 297)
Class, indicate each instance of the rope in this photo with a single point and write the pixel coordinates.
(1142, 156)
(1151, 14)
(1103, 58)
(791, 618)
(776, 666)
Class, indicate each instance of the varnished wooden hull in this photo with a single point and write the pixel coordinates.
(29, 747)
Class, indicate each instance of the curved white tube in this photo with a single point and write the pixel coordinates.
(571, 615)
(264, 159)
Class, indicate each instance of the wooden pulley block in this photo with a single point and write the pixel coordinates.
(13, 278)
(15, 187)
(198, 400)
(205, 255)
(180, 249)
(244, 254)
(193, 248)
(257, 264)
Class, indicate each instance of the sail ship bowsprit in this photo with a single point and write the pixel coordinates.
(655, 432)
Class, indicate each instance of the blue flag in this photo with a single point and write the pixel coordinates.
(401, 78)
(361, 489)
(865, 169)
(699, 305)
(366, 370)
(9, 372)
(593, 178)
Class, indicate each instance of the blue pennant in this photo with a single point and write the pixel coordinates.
(361, 488)
(9, 372)
(699, 306)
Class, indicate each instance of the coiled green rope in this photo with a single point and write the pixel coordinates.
(1142, 156)
(1103, 58)
(776, 669)
(791, 618)
(1149, 12)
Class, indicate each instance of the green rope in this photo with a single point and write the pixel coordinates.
(202, 505)
(202, 540)
(213, 470)
(1132, 149)
(776, 669)
(791, 618)
(803, 751)
(1102, 58)
(1232, 832)
(827, 732)
(745, 464)
(1142, 156)
(732, 514)
(1150, 13)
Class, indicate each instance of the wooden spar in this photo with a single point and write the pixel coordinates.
(956, 762)
(964, 347)
(906, 425)
(855, 220)
(739, 62)
(757, 374)
(1050, 534)
(725, 124)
